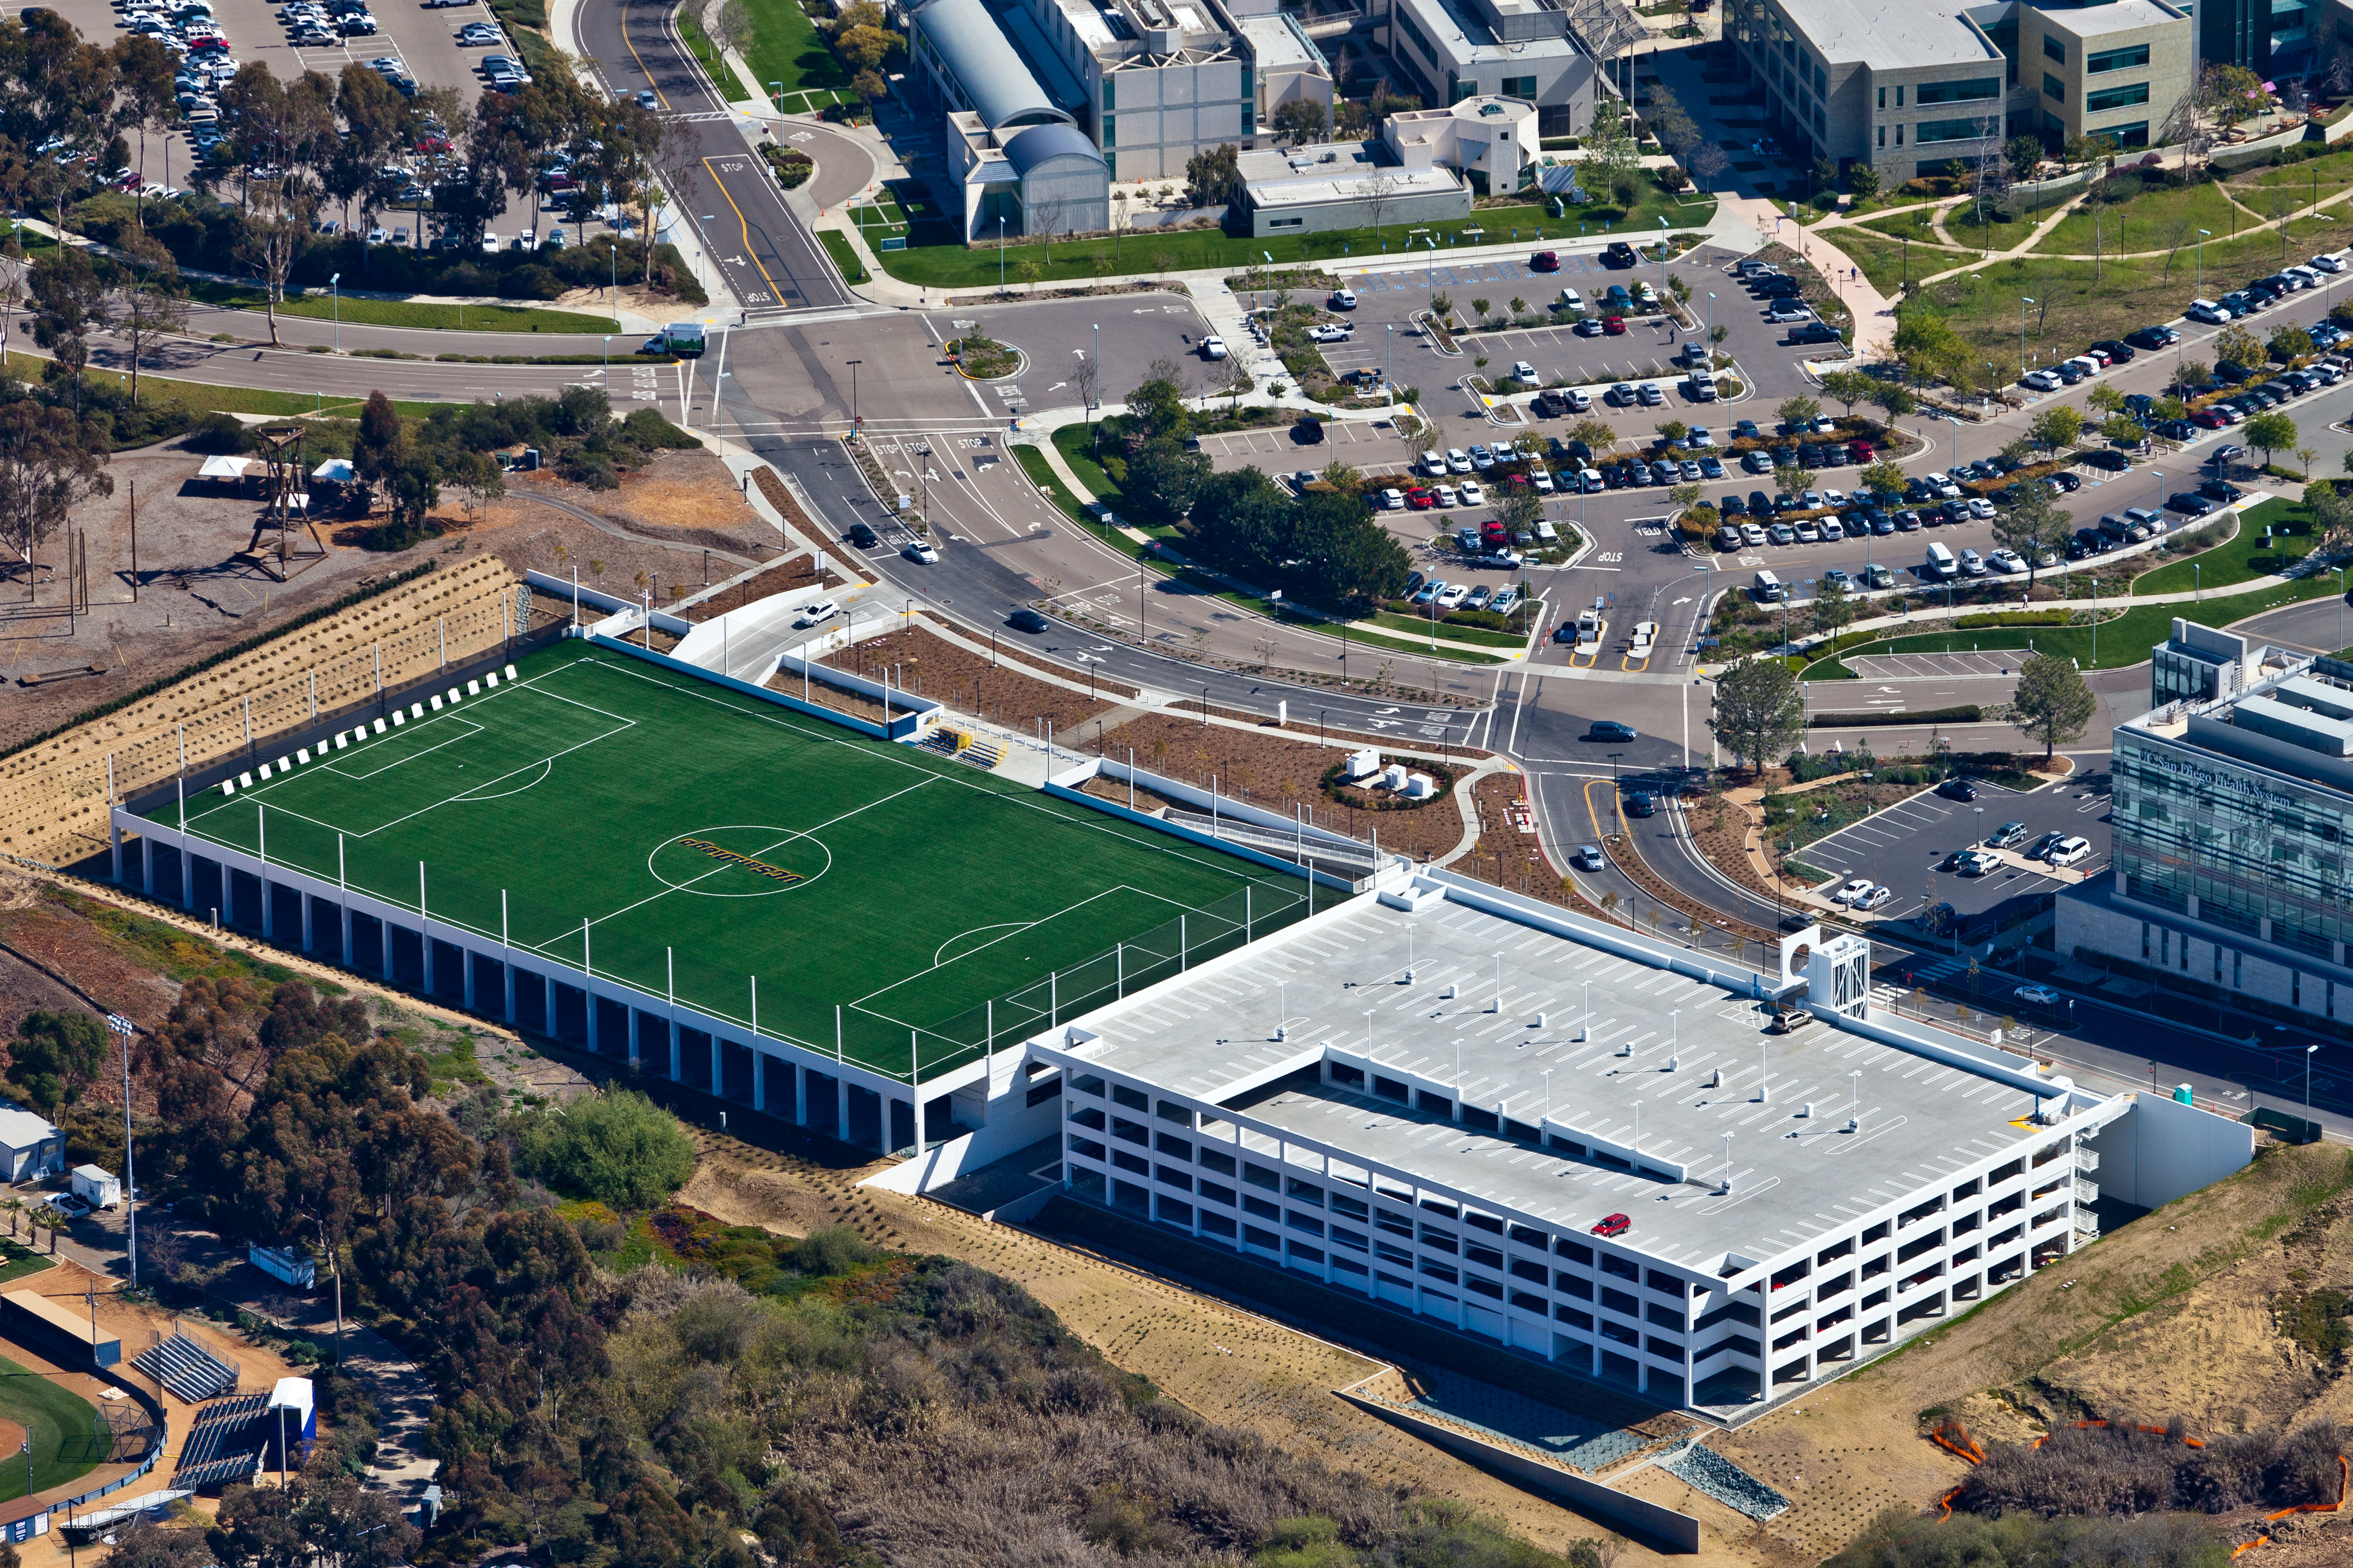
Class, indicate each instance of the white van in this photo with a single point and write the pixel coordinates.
(1941, 564)
(1768, 589)
(2071, 851)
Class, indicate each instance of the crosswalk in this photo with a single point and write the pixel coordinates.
(1887, 994)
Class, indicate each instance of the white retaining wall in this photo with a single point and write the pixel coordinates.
(2162, 1150)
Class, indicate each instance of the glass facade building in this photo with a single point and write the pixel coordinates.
(2231, 811)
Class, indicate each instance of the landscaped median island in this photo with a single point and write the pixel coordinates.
(2122, 638)
(359, 312)
(1313, 557)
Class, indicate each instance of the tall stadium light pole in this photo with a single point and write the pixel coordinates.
(122, 1026)
(2308, 1075)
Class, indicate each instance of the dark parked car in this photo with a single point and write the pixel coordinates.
(1639, 804)
(2118, 353)
(1307, 432)
(2189, 503)
(1958, 789)
(2152, 338)
(2106, 458)
(862, 536)
(1025, 621)
(1618, 254)
(2221, 492)
(1610, 730)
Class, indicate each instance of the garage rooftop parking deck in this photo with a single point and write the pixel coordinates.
(1657, 1040)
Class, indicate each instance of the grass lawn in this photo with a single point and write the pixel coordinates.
(845, 256)
(2245, 557)
(402, 312)
(731, 87)
(1883, 260)
(20, 1260)
(1415, 625)
(786, 48)
(869, 888)
(204, 395)
(953, 266)
(2089, 301)
(2149, 222)
(2122, 642)
(67, 1436)
(2333, 172)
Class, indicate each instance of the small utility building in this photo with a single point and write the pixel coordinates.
(30, 1147)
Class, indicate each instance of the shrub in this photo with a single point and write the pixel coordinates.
(618, 1147)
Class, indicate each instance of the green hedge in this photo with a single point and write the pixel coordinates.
(1968, 713)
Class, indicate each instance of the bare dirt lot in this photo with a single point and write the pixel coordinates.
(198, 591)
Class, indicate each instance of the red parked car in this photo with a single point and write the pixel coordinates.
(1544, 261)
(1864, 452)
(2207, 419)
(1613, 326)
(1613, 1224)
(1421, 501)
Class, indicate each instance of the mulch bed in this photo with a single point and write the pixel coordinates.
(926, 665)
(799, 572)
(1260, 768)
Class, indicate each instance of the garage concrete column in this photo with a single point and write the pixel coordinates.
(506, 968)
(307, 923)
(633, 1036)
(425, 950)
(800, 1095)
(718, 1083)
(345, 921)
(147, 873)
(114, 837)
(760, 1059)
(549, 981)
(841, 1106)
(466, 965)
(268, 921)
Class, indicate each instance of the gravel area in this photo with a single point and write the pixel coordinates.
(1726, 1482)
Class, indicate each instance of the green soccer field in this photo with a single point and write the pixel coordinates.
(654, 825)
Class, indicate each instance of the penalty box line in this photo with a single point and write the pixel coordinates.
(1019, 928)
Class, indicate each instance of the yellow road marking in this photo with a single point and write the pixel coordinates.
(641, 64)
(775, 294)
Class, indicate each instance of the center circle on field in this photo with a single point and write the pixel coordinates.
(741, 860)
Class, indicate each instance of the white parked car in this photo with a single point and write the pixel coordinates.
(2328, 263)
(2040, 995)
(1393, 500)
(1453, 595)
(1540, 478)
(1523, 370)
(1434, 465)
(2004, 561)
(1458, 460)
(490, 243)
(1853, 890)
(2070, 852)
(1213, 347)
(921, 553)
(1877, 897)
(1473, 493)
(2040, 381)
(1570, 300)
(1447, 498)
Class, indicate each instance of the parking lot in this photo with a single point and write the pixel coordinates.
(411, 38)
(1903, 846)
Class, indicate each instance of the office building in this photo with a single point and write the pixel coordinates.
(1913, 89)
(1538, 53)
(2233, 799)
(1149, 83)
(1346, 185)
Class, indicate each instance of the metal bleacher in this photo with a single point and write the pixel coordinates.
(225, 1445)
(187, 1369)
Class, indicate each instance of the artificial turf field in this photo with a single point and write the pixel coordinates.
(749, 841)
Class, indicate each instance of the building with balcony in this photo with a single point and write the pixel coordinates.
(1437, 1098)
(1911, 91)
(2232, 801)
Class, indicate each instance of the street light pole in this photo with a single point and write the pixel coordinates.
(2308, 1075)
(2023, 302)
(2203, 236)
(335, 303)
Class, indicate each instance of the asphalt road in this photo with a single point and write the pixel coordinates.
(767, 255)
